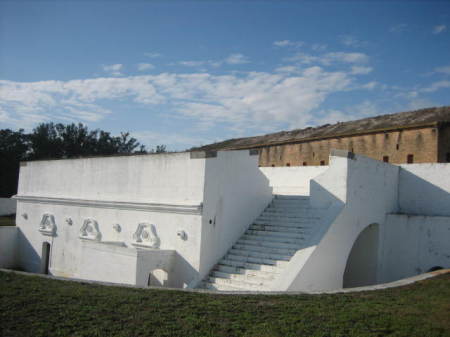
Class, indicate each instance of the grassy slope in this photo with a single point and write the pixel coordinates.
(32, 306)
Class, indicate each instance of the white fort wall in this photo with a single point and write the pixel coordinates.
(292, 180)
(412, 245)
(119, 193)
(355, 192)
(425, 189)
(236, 192)
(195, 205)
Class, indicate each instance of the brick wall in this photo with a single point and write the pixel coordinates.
(422, 144)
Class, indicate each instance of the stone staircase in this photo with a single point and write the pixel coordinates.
(264, 250)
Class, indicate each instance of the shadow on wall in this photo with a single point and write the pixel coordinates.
(361, 268)
(28, 258)
(420, 197)
(183, 267)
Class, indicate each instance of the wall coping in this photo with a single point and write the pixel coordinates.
(181, 208)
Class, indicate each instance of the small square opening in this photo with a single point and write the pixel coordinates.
(386, 159)
(410, 159)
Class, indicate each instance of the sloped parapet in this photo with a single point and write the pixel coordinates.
(355, 192)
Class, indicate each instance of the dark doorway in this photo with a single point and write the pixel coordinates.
(45, 257)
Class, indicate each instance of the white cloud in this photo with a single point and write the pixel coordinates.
(288, 69)
(192, 63)
(319, 47)
(399, 28)
(436, 86)
(288, 43)
(232, 59)
(145, 66)
(347, 57)
(243, 101)
(236, 59)
(443, 70)
(113, 69)
(153, 55)
(173, 140)
(439, 29)
(330, 58)
(370, 85)
(351, 41)
(361, 70)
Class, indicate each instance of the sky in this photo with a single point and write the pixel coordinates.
(189, 73)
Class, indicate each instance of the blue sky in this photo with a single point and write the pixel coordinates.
(186, 73)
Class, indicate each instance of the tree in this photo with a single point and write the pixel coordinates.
(71, 141)
(14, 147)
(55, 141)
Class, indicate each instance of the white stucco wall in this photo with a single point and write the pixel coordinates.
(370, 189)
(425, 189)
(292, 180)
(411, 245)
(236, 192)
(7, 206)
(143, 178)
(165, 190)
(9, 236)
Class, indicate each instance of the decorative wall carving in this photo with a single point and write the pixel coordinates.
(145, 236)
(47, 225)
(69, 221)
(90, 230)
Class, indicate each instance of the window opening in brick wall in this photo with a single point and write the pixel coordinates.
(322, 163)
(410, 159)
(305, 163)
(386, 159)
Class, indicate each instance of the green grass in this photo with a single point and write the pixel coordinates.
(8, 220)
(34, 306)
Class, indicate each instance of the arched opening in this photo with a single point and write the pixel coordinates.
(157, 278)
(361, 268)
(45, 257)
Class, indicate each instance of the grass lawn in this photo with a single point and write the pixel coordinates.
(8, 220)
(34, 306)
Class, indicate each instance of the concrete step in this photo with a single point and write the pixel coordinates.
(275, 222)
(243, 277)
(250, 285)
(279, 234)
(243, 271)
(291, 197)
(262, 255)
(249, 266)
(290, 202)
(257, 260)
(293, 212)
(281, 228)
(281, 251)
(273, 239)
(303, 215)
(268, 244)
(219, 287)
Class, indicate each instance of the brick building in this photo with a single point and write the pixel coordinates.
(421, 136)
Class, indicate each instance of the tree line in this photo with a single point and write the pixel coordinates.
(57, 141)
